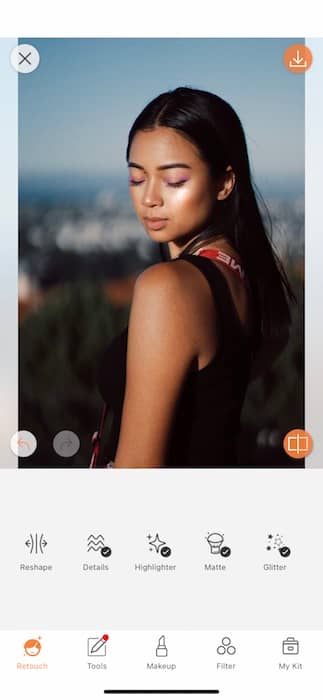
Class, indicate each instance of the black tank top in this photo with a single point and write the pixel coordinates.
(207, 419)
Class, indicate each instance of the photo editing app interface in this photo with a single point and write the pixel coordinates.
(161, 449)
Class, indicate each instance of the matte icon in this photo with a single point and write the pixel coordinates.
(215, 541)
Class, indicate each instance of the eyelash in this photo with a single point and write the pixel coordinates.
(169, 184)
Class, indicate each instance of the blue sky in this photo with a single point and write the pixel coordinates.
(77, 107)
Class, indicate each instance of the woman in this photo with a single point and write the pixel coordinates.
(214, 312)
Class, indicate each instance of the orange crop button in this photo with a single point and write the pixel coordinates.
(298, 58)
(298, 443)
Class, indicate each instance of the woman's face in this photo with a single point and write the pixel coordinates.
(170, 183)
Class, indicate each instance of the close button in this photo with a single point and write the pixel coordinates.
(24, 58)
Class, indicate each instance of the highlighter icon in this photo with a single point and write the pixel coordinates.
(161, 647)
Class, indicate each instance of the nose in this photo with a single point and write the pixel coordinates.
(152, 195)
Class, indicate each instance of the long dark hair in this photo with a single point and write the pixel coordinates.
(213, 126)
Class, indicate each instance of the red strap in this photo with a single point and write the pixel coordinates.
(96, 440)
(225, 258)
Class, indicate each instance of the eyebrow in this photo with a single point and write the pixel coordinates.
(131, 164)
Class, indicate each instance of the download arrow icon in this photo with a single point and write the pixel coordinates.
(299, 58)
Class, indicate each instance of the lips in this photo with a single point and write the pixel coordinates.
(155, 223)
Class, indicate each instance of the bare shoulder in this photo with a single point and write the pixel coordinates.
(166, 286)
(162, 276)
(177, 281)
(173, 303)
(164, 304)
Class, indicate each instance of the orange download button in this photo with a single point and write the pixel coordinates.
(298, 58)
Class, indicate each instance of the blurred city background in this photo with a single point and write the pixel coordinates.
(81, 247)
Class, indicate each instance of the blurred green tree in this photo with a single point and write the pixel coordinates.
(60, 347)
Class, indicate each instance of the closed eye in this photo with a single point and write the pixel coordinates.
(176, 184)
(169, 184)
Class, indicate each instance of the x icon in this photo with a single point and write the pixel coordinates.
(24, 58)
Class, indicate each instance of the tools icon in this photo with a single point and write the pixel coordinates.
(96, 646)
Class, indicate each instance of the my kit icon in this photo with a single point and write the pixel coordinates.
(291, 646)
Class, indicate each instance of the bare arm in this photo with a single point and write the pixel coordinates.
(159, 354)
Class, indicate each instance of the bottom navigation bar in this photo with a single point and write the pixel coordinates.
(91, 663)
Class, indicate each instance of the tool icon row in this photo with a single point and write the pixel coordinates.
(37, 544)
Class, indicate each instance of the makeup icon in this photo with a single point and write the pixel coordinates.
(161, 647)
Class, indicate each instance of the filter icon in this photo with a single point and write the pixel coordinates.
(161, 647)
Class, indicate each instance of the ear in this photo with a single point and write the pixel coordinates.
(227, 184)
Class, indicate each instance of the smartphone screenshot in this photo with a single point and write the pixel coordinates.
(161, 444)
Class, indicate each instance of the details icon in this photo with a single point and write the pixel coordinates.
(96, 543)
